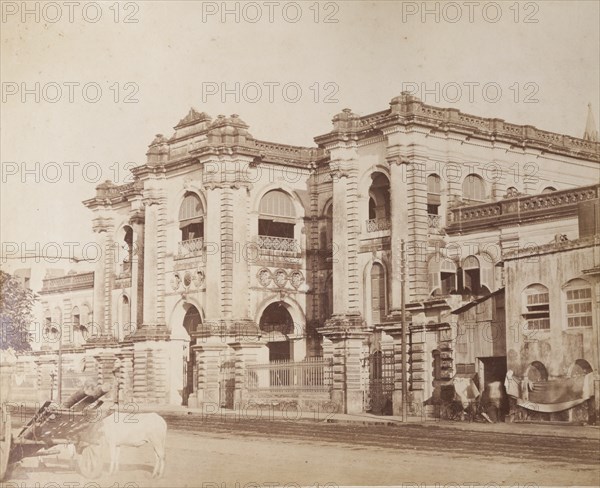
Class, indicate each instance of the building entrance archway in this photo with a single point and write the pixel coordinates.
(191, 323)
(277, 324)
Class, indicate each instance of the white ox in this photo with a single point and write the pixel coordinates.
(134, 430)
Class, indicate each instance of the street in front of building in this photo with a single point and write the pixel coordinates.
(234, 453)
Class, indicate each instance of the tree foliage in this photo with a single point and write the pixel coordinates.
(16, 317)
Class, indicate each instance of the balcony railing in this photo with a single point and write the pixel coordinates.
(69, 282)
(192, 247)
(310, 375)
(271, 243)
(376, 225)
(522, 208)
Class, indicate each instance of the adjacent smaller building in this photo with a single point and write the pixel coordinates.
(552, 304)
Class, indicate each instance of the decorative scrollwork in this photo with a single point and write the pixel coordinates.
(280, 278)
(175, 281)
(297, 278)
(264, 277)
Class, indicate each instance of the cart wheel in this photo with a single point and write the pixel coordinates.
(5, 441)
(90, 461)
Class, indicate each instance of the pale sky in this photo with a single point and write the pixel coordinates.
(165, 59)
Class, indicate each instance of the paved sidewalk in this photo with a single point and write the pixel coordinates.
(295, 415)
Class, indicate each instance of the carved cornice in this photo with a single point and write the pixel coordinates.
(235, 185)
(153, 196)
(521, 209)
(137, 217)
(102, 224)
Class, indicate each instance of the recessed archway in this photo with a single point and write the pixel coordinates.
(277, 324)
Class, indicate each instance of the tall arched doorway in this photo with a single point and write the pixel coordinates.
(191, 323)
(277, 323)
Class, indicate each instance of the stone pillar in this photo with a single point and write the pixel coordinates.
(409, 223)
(151, 317)
(340, 231)
(137, 272)
(103, 275)
(346, 229)
(227, 270)
(105, 361)
(150, 371)
(246, 353)
(400, 228)
(212, 239)
(347, 345)
(398, 395)
(125, 356)
(208, 357)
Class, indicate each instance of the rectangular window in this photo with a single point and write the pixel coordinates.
(432, 209)
(538, 311)
(579, 307)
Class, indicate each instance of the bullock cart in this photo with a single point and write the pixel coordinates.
(53, 425)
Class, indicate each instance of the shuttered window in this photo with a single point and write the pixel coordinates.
(579, 304)
(537, 307)
(473, 188)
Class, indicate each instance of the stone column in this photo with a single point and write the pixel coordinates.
(125, 375)
(409, 223)
(347, 389)
(207, 387)
(246, 353)
(340, 232)
(102, 277)
(398, 395)
(106, 362)
(212, 240)
(137, 271)
(150, 296)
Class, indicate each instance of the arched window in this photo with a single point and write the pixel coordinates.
(127, 245)
(548, 189)
(378, 294)
(578, 294)
(277, 216)
(191, 218)
(473, 188)
(442, 276)
(434, 190)
(126, 313)
(54, 328)
(471, 274)
(76, 318)
(379, 203)
(536, 307)
(327, 231)
(372, 209)
(86, 317)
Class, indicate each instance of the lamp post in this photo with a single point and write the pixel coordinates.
(59, 387)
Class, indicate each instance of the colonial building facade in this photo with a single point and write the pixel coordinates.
(239, 270)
